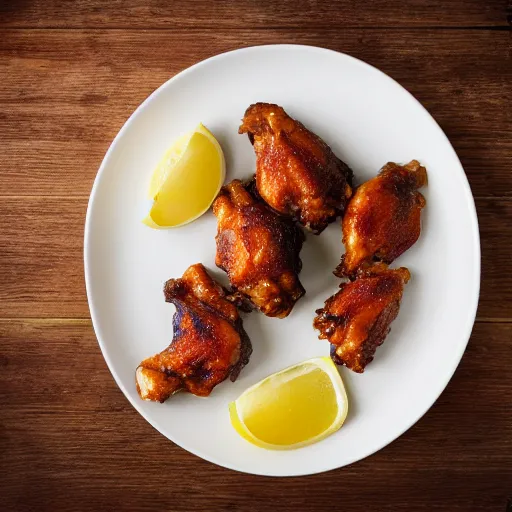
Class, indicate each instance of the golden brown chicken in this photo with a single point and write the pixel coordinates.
(259, 250)
(209, 342)
(356, 319)
(297, 173)
(382, 220)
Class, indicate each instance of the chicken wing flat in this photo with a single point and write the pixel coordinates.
(382, 220)
(356, 319)
(259, 250)
(209, 343)
(297, 173)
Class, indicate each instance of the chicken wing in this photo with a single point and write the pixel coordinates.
(382, 220)
(259, 250)
(297, 173)
(356, 319)
(209, 342)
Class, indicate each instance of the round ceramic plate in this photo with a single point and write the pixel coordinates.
(368, 120)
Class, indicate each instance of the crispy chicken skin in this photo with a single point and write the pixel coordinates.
(297, 173)
(356, 319)
(258, 249)
(382, 220)
(209, 343)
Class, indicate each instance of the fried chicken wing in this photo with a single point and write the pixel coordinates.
(297, 173)
(356, 319)
(382, 220)
(209, 343)
(259, 250)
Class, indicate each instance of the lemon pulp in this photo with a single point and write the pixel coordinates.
(187, 180)
(167, 163)
(292, 408)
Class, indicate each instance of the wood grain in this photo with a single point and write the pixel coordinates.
(251, 13)
(41, 248)
(72, 441)
(72, 73)
(75, 89)
(41, 245)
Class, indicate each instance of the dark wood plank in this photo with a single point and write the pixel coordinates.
(495, 220)
(70, 440)
(250, 13)
(67, 93)
(41, 242)
(41, 247)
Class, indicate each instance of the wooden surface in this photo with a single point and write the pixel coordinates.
(71, 74)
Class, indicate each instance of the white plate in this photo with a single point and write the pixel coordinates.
(368, 120)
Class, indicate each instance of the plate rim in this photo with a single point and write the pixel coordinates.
(476, 277)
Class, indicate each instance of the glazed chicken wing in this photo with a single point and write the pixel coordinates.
(356, 319)
(259, 250)
(209, 343)
(297, 174)
(382, 220)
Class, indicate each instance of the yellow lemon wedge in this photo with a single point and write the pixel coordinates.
(187, 180)
(292, 408)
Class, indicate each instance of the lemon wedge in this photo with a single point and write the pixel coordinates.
(292, 408)
(187, 180)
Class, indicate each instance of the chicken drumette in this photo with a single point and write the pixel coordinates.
(356, 319)
(382, 220)
(297, 173)
(258, 249)
(209, 343)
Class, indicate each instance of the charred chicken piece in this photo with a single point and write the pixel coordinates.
(209, 342)
(259, 250)
(383, 218)
(356, 319)
(297, 173)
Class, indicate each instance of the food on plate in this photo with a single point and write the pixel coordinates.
(297, 173)
(258, 249)
(298, 178)
(187, 180)
(356, 319)
(383, 218)
(292, 408)
(209, 342)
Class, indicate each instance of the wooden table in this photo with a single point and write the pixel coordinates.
(71, 74)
